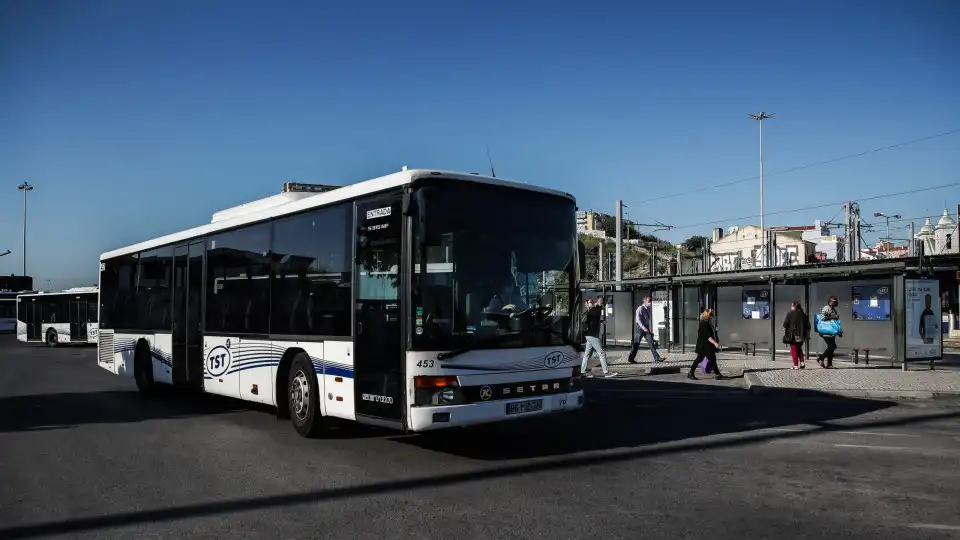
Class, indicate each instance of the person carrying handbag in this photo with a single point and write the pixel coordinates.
(828, 326)
(796, 330)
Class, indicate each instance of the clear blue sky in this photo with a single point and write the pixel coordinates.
(134, 119)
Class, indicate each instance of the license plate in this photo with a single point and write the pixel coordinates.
(521, 407)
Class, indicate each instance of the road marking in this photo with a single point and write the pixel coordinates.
(869, 433)
(934, 526)
(875, 447)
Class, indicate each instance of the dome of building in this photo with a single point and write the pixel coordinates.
(927, 229)
(946, 222)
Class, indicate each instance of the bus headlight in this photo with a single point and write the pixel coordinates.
(432, 390)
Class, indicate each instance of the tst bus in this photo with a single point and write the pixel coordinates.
(57, 318)
(418, 300)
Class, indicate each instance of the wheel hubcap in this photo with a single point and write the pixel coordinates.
(300, 395)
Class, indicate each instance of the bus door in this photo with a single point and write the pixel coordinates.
(34, 327)
(78, 319)
(378, 339)
(187, 288)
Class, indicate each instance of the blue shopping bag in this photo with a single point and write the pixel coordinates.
(826, 328)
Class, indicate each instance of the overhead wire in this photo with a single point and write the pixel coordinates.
(807, 166)
(819, 206)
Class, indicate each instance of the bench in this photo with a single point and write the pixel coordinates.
(866, 353)
(745, 346)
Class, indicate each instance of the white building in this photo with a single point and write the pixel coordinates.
(941, 238)
(741, 248)
(830, 246)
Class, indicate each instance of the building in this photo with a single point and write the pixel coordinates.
(883, 250)
(829, 247)
(741, 248)
(942, 238)
(590, 223)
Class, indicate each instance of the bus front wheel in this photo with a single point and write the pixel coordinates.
(51, 338)
(303, 397)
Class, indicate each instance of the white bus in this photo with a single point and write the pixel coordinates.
(419, 300)
(57, 318)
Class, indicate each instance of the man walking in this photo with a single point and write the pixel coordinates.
(593, 315)
(829, 313)
(644, 320)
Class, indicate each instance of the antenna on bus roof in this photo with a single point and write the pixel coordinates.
(492, 172)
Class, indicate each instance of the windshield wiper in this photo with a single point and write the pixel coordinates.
(457, 352)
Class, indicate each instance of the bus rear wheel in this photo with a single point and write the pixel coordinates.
(51, 338)
(303, 397)
(143, 368)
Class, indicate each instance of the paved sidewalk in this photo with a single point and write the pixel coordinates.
(731, 363)
(853, 382)
(877, 380)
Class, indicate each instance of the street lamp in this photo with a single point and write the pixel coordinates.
(760, 117)
(7, 252)
(887, 218)
(25, 187)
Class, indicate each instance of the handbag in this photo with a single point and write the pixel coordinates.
(826, 328)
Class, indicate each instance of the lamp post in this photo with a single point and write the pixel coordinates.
(887, 218)
(760, 117)
(25, 187)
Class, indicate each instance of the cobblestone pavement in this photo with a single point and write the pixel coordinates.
(878, 377)
(730, 362)
(862, 380)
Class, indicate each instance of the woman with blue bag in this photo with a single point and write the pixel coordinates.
(828, 326)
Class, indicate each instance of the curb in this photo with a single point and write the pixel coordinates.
(754, 386)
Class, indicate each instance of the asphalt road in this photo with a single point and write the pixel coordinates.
(83, 455)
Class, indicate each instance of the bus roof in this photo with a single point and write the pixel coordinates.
(274, 206)
(75, 290)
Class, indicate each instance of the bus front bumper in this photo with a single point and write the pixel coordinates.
(446, 416)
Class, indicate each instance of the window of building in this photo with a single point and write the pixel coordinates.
(238, 281)
(312, 273)
(949, 241)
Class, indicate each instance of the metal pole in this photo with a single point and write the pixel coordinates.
(619, 262)
(24, 232)
(773, 322)
(911, 245)
(25, 187)
(763, 231)
(761, 116)
(601, 262)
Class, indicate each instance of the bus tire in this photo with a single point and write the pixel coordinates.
(303, 397)
(51, 340)
(143, 368)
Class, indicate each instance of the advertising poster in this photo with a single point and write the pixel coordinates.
(923, 319)
(756, 304)
(871, 303)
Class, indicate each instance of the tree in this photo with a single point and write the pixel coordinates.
(695, 243)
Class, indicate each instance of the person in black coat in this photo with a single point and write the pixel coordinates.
(796, 331)
(707, 346)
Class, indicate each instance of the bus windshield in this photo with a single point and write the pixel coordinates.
(499, 265)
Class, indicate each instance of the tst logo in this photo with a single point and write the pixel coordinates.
(553, 359)
(219, 360)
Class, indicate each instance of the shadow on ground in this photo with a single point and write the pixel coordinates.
(37, 412)
(676, 423)
(633, 413)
